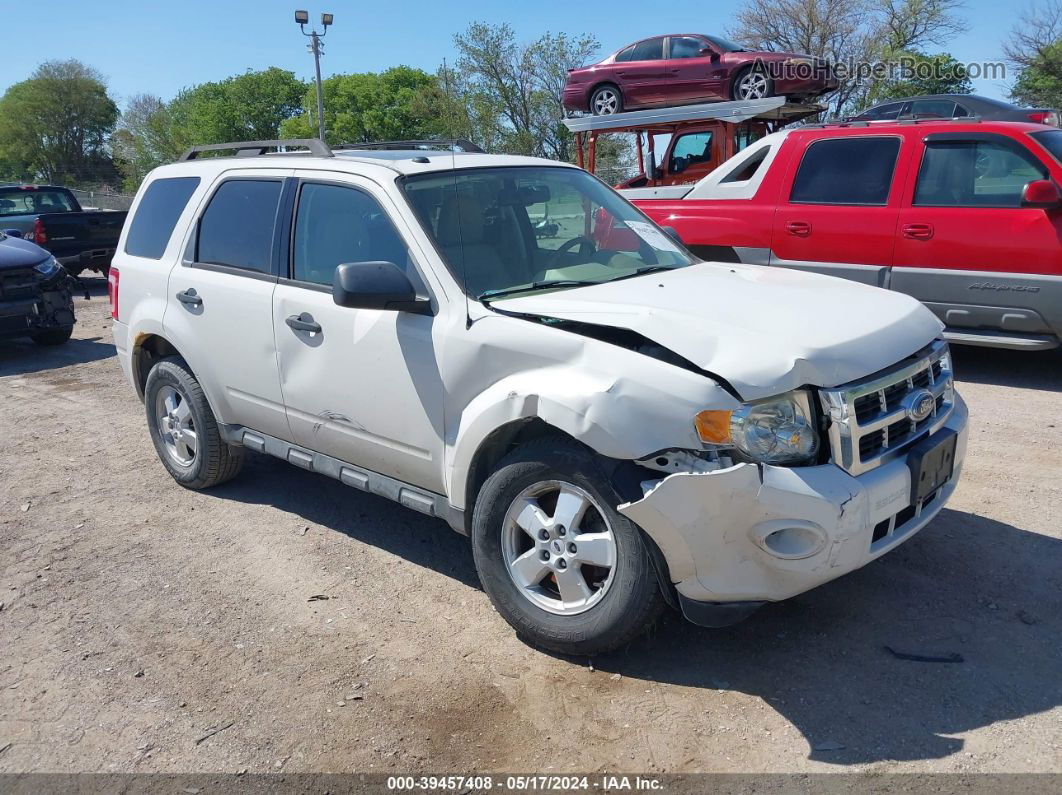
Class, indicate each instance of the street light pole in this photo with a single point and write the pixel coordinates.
(317, 48)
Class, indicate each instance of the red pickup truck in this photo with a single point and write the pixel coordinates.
(964, 215)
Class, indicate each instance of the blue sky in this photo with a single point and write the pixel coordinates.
(158, 48)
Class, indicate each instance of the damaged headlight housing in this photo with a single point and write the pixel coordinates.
(778, 430)
(49, 268)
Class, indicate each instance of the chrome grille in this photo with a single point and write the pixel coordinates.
(874, 420)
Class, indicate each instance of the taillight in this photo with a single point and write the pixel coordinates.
(112, 290)
(39, 236)
(1045, 117)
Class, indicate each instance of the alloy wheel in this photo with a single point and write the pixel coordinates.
(176, 425)
(753, 85)
(606, 102)
(559, 547)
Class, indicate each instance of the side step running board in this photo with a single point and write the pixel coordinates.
(1017, 342)
(426, 502)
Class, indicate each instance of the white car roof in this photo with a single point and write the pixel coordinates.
(367, 162)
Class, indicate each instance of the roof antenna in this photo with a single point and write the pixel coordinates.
(457, 200)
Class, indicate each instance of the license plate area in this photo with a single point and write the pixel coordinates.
(932, 463)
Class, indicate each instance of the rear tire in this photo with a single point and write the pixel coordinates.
(606, 100)
(184, 430)
(596, 590)
(56, 336)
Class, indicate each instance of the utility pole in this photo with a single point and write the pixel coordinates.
(316, 46)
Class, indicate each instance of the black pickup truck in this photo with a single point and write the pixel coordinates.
(51, 217)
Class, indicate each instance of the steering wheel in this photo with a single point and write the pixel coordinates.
(587, 248)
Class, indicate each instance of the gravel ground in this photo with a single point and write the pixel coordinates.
(138, 617)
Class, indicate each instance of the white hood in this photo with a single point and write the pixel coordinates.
(765, 330)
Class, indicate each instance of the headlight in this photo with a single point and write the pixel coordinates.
(777, 430)
(49, 268)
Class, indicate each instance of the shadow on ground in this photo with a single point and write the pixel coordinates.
(1027, 370)
(966, 584)
(22, 356)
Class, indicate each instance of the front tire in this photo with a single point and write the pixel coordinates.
(55, 336)
(561, 565)
(606, 100)
(184, 430)
(752, 83)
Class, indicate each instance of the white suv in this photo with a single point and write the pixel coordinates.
(507, 344)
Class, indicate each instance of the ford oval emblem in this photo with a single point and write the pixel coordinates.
(919, 404)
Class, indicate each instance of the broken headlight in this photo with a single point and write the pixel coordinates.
(778, 430)
(49, 269)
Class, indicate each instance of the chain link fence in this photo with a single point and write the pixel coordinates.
(102, 200)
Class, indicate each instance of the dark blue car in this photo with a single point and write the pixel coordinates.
(35, 296)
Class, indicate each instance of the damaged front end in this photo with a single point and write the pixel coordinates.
(35, 300)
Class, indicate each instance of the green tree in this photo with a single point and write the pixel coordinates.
(55, 125)
(370, 106)
(921, 74)
(247, 107)
(1035, 50)
(144, 139)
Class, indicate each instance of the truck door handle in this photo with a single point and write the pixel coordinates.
(917, 231)
(798, 228)
(304, 322)
(189, 297)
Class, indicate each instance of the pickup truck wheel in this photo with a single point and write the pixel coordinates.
(184, 430)
(55, 336)
(557, 560)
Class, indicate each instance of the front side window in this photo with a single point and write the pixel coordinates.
(237, 228)
(334, 225)
(686, 47)
(157, 214)
(649, 50)
(626, 54)
(689, 150)
(849, 170)
(530, 228)
(974, 174)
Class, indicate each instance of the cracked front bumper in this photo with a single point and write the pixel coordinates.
(752, 534)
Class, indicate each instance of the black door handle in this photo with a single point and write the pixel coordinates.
(304, 322)
(190, 297)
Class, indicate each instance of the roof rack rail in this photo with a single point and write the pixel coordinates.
(255, 148)
(907, 121)
(442, 143)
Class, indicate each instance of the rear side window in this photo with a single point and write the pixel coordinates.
(626, 54)
(930, 108)
(649, 50)
(157, 214)
(237, 228)
(891, 111)
(975, 174)
(854, 171)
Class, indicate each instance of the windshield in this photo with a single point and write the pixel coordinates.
(503, 230)
(1051, 140)
(31, 201)
(725, 44)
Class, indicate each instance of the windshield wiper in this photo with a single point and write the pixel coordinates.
(489, 294)
(641, 272)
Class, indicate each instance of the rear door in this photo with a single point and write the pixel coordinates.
(965, 245)
(365, 388)
(641, 77)
(691, 74)
(839, 217)
(220, 299)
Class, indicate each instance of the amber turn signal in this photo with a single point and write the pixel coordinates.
(713, 426)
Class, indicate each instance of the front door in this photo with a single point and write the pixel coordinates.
(840, 215)
(360, 385)
(692, 74)
(967, 248)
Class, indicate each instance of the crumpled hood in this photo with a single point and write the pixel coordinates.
(18, 253)
(765, 330)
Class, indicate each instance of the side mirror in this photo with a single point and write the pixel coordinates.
(13, 232)
(376, 285)
(710, 53)
(1041, 193)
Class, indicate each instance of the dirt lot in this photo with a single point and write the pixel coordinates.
(138, 616)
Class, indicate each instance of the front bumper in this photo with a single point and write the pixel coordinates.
(753, 534)
(52, 307)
